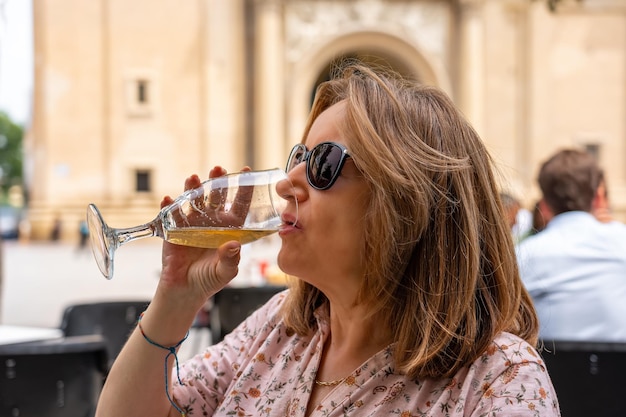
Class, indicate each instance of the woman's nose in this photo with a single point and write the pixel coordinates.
(296, 184)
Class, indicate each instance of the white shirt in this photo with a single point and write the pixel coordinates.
(575, 271)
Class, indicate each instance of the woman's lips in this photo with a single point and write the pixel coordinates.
(289, 220)
(289, 223)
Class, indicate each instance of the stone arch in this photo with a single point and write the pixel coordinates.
(390, 50)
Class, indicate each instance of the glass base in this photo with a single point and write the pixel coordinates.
(101, 245)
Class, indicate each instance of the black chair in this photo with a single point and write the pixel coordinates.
(114, 320)
(54, 378)
(233, 304)
(588, 376)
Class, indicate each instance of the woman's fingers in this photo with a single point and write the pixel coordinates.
(192, 182)
(217, 171)
(228, 265)
(209, 209)
(216, 195)
(196, 198)
(167, 200)
(241, 204)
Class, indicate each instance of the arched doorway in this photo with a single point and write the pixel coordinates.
(374, 47)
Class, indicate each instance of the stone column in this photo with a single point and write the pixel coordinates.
(269, 94)
(224, 86)
(471, 62)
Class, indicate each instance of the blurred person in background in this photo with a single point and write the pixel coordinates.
(539, 220)
(83, 234)
(55, 233)
(511, 207)
(601, 206)
(575, 269)
(518, 218)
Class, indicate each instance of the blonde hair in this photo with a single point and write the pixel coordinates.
(440, 265)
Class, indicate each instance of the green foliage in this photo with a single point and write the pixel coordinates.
(11, 155)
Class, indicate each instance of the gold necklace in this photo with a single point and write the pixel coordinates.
(329, 383)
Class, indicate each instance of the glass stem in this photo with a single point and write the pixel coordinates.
(122, 236)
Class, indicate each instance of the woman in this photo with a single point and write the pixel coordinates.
(406, 298)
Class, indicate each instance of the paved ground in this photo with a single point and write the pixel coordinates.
(41, 279)
(38, 280)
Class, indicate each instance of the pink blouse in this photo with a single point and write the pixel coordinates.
(263, 369)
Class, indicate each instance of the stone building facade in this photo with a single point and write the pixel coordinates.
(133, 96)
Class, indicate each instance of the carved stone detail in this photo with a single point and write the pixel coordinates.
(311, 23)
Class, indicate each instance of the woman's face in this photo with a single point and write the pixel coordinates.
(323, 248)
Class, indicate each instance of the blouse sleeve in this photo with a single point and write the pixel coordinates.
(206, 377)
(522, 389)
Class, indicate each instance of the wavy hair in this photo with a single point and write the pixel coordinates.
(440, 265)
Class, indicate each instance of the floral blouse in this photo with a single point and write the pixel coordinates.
(264, 369)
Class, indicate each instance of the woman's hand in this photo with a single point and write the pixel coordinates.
(134, 386)
(197, 273)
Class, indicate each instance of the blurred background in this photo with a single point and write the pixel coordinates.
(115, 102)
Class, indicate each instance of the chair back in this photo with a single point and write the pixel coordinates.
(54, 378)
(587, 376)
(233, 304)
(114, 320)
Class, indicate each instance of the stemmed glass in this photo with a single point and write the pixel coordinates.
(243, 206)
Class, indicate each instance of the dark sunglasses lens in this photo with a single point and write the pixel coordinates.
(324, 164)
(297, 154)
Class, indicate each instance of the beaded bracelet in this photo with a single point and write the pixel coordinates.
(172, 351)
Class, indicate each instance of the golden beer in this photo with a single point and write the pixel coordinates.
(213, 237)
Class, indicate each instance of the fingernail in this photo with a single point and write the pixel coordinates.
(234, 251)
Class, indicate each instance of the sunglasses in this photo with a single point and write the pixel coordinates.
(324, 163)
